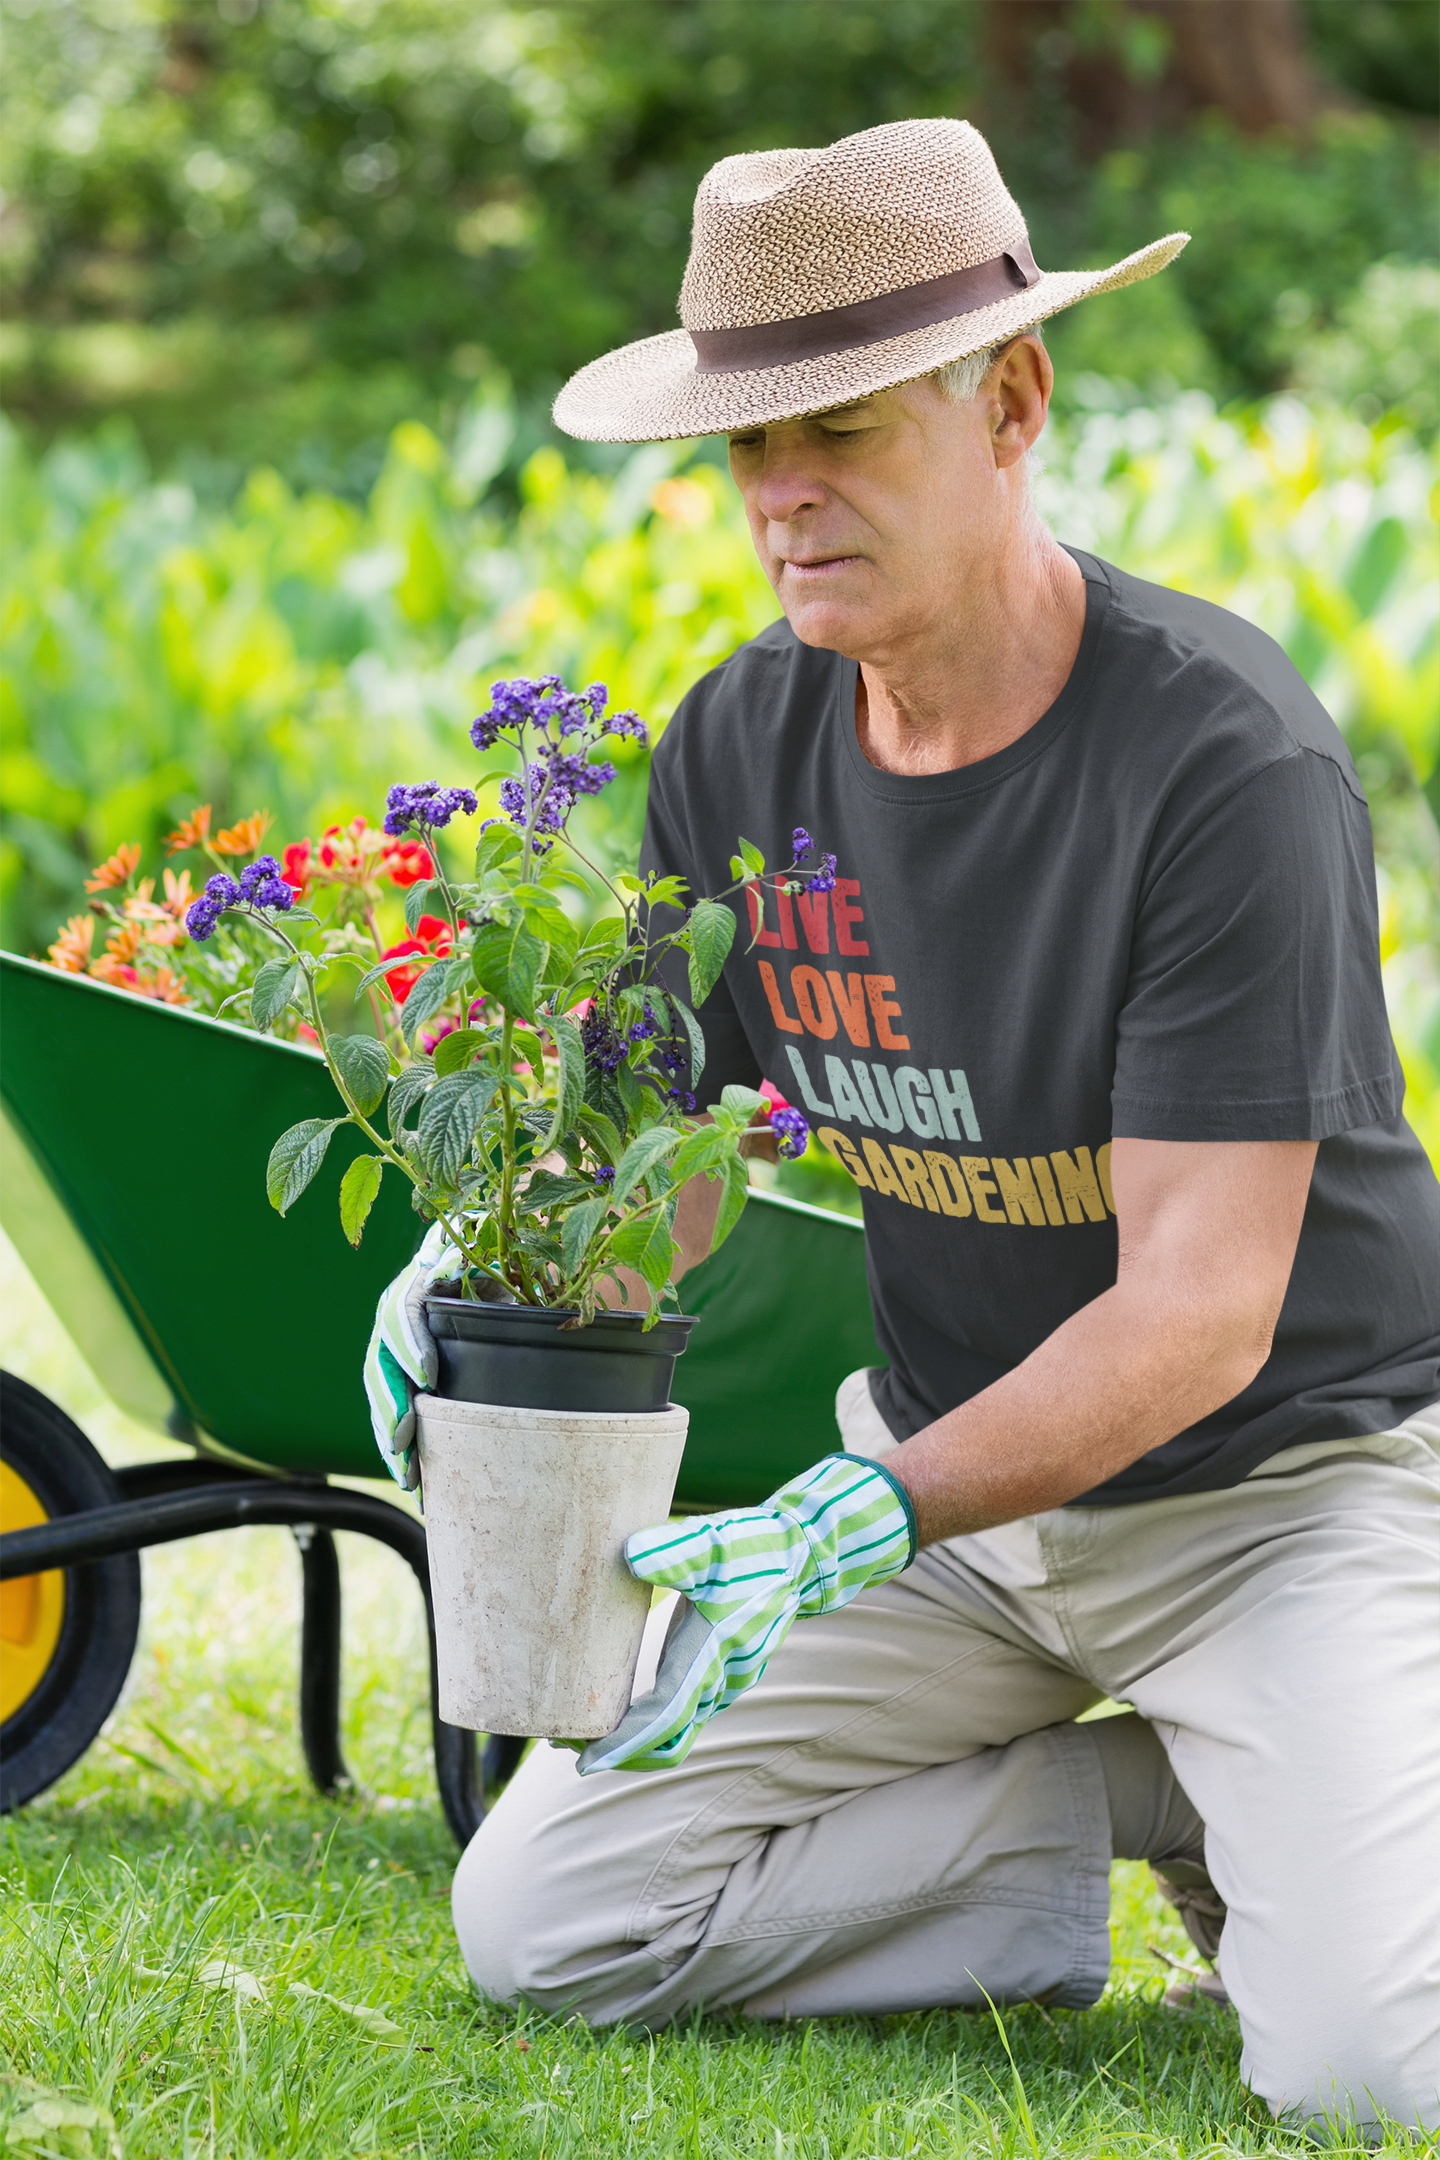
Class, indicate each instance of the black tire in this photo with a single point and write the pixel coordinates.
(78, 1687)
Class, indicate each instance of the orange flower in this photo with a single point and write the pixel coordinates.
(117, 973)
(166, 987)
(244, 838)
(194, 831)
(124, 942)
(178, 894)
(71, 949)
(430, 942)
(121, 866)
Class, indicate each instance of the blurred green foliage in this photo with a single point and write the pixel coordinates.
(1381, 51)
(282, 228)
(298, 652)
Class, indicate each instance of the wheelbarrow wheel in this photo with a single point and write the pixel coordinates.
(66, 1637)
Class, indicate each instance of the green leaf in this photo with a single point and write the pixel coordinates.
(712, 933)
(425, 899)
(507, 963)
(364, 1066)
(272, 990)
(496, 845)
(624, 881)
(705, 1150)
(641, 1157)
(736, 1107)
(602, 1134)
(529, 1047)
(570, 1092)
(645, 1244)
(667, 892)
(752, 858)
(358, 1188)
(634, 1096)
(690, 1029)
(546, 1191)
(295, 1158)
(578, 1230)
(430, 991)
(409, 1084)
(453, 1109)
(603, 937)
(732, 1200)
(563, 937)
(385, 967)
(454, 1051)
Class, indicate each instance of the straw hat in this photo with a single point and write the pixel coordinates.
(819, 276)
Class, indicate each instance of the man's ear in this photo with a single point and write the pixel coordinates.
(1020, 390)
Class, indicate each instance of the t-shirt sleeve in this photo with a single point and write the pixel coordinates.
(729, 1059)
(1254, 1008)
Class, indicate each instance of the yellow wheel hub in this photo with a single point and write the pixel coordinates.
(32, 1607)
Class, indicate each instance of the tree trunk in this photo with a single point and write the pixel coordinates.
(1245, 58)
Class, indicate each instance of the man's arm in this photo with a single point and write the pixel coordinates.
(1208, 1232)
(695, 1212)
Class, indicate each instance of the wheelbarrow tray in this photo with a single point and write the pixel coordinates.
(136, 1139)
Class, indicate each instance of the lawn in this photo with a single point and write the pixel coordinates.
(199, 1950)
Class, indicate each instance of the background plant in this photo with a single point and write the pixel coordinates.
(289, 226)
(295, 650)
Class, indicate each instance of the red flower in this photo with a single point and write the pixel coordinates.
(432, 941)
(407, 862)
(296, 870)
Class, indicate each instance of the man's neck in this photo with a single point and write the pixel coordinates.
(982, 677)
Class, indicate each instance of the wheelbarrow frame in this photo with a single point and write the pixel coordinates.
(103, 1200)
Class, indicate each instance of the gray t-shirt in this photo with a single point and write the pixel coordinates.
(1152, 916)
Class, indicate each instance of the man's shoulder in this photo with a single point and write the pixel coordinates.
(1222, 680)
(753, 689)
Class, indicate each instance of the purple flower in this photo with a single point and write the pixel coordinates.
(801, 842)
(427, 805)
(824, 878)
(221, 892)
(542, 702)
(273, 892)
(794, 1131)
(604, 1046)
(255, 875)
(605, 1177)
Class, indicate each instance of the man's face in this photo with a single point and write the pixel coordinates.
(870, 519)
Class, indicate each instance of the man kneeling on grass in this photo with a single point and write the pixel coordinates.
(1092, 1012)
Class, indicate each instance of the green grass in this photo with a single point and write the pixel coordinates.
(188, 1836)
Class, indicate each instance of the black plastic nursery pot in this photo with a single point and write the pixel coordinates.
(526, 1358)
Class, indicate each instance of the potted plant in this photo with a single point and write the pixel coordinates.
(537, 1093)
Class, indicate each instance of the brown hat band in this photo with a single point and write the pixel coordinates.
(864, 322)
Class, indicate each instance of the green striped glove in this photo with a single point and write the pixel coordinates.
(812, 1547)
(401, 1358)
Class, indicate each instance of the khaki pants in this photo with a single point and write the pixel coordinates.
(902, 1811)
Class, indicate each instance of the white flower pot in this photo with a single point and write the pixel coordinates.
(537, 1618)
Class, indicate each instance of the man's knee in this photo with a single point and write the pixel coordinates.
(1338, 2070)
(505, 1920)
(540, 1917)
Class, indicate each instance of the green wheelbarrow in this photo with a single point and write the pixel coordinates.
(135, 1139)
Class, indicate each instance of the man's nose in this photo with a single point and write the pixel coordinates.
(788, 484)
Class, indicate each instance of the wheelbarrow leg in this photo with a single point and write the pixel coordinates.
(320, 1657)
(501, 1759)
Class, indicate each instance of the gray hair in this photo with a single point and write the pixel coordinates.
(960, 380)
